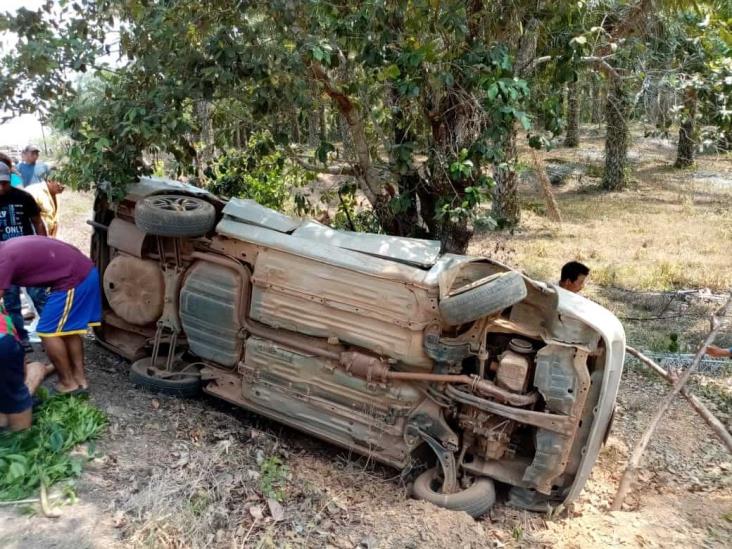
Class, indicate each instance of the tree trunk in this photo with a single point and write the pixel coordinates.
(323, 124)
(313, 127)
(573, 100)
(506, 210)
(597, 101)
(205, 155)
(687, 131)
(617, 136)
(295, 125)
(573, 115)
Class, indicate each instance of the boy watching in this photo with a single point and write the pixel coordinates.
(573, 277)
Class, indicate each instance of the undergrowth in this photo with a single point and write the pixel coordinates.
(42, 454)
(273, 476)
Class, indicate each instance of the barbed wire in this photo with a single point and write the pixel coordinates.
(714, 367)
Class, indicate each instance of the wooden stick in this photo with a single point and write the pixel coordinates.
(717, 426)
(45, 505)
(631, 470)
(552, 208)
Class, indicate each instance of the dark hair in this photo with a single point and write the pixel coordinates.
(5, 159)
(573, 270)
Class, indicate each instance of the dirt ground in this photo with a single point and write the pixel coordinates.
(201, 473)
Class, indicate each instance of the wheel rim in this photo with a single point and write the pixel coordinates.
(175, 203)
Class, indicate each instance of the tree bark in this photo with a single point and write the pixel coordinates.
(617, 136)
(506, 210)
(295, 123)
(377, 189)
(571, 139)
(322, 123)
(552, 208)
(631, 470)
(205, 155)
(687, 131)
(313, 116)
(597, 101)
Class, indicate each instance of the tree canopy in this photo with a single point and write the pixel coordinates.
(426, 98)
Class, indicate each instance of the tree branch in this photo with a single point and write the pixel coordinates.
(330, 170)
(631, 470)
(602, 64)
(716, 425)
(539, 61)
(371, 187)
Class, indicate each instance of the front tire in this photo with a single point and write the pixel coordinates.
(475, 500)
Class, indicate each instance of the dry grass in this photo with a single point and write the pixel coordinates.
(670, 230)
(75, 209)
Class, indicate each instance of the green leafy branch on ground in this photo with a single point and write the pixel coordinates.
(42, 454)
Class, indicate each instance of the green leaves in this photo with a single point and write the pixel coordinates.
(41, 453)
(390, 72)
(259, 172)
(321, 153)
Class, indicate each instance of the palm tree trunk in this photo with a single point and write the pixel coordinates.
(617, 136)
(571, 139)
(597, 101)
(687, 132)
(506, 210)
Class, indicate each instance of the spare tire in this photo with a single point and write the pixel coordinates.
(497, 293)
(174, 215)
(135, 289)
(475, 500)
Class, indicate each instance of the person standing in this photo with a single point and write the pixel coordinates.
(19, 216)
(74, 304)
(30, 169)
(45, 194)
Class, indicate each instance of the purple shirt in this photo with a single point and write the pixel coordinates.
(42, 262)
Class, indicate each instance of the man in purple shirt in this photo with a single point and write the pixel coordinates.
(73, 305)
(19, 216)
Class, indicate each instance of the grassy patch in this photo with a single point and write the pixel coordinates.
(42, 454)
(273, 476)
(671, 230)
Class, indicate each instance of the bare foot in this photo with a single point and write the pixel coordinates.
(35, 373)
(63, 389)
(82, 382)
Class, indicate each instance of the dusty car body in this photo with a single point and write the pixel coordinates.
(378, 344)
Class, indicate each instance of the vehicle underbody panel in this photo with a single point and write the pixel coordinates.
(341, 336)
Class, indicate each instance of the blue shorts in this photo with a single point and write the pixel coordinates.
(14, 394)
(69, 312)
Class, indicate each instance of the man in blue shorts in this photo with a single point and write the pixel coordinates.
(74, 303)
(17, 382)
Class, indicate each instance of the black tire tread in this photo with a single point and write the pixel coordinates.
(487, 299)
(181, 388)
(474, 500)
(159, 222)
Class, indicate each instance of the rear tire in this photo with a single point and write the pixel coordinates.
(174, 215)
(474, 500)
(487, 299)
(182, 384)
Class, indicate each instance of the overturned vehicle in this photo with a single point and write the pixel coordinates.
(378, 344)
